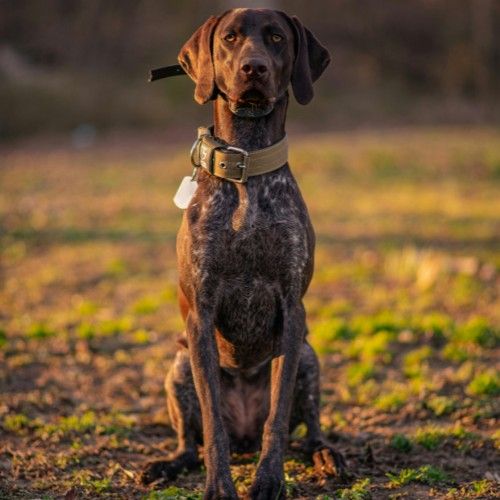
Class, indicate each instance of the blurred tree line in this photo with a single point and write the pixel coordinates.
(446, 50)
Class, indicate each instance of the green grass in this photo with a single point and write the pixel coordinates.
(360, 490)
(391, 401)
(441, 405)
(173, 493)
(426, 474)
(486, 383)
(432, 437)
(71, 425)
(40, 331)
(415, 361)
(16, 422)
(357, 373)
(401, 443)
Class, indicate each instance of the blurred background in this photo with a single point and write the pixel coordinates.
(398, 159)
(69, 64)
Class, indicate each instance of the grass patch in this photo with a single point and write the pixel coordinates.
(426, 474)
(173, 493)
(326, 333)
(478, 331)
(486, 383)
(441, 405)
(455, 352)
(391, 401)
(88, 422)
(414, 362)
(357, 373)
(17, 423)
(401, 443)
(372, 348)
(40, 331)
(483, 488)
(360, 490)
(86, 331)
(146, 305)
(432, 437)
(91, 484)
(117, 326)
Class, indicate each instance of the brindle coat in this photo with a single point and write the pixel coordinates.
(245, 256)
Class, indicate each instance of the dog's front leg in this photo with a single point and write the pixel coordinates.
(269, 481)
(206, 376)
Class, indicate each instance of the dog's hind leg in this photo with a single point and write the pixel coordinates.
(185, 417)
(326, 459)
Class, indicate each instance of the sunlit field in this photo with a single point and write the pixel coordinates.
(403, 311)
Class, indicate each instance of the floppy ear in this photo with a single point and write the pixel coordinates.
(195, 58)
(311, 59)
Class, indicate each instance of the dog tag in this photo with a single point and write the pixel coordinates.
(186, 190)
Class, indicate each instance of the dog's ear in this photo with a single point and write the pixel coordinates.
(311, 59)
(196, 59)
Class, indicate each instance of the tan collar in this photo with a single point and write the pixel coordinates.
(235, 164)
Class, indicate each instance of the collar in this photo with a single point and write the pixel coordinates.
(235, 164)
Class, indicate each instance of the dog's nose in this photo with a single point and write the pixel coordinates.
(254, 67)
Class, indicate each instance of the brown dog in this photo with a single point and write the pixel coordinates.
(245, 254)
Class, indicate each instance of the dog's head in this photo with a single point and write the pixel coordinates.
(250, 57)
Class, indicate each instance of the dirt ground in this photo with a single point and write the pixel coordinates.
(403, 311)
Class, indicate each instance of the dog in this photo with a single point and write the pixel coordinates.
(245, 374)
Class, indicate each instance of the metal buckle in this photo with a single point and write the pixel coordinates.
(242, 165)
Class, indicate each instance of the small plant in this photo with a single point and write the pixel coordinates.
(357, 373)
(401, 443)
(414, 362)
(486, 383)
(85, 331)
(87, 308)
(92, 485)
(430, 437)
(391, 401)
(373, 347)
(16, 423)
(116, 268)
(327, 332)
(173, 493)
(141, 336)
(483, 488)
(358, 491)
(441, 405)
(455, 352)
(427, 474)
(115, 326)
(146, 305)
(478, 331)
(437, 325)
(40, 331)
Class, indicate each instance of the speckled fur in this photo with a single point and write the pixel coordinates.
(245, 256)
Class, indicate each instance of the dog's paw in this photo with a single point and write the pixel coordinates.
(168, 469)
(269, 482)
(328, 461)
(220, 490)
(267, 487)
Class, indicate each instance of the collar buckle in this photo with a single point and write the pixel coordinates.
(243, 165)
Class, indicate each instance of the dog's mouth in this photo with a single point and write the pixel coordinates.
(252, 104)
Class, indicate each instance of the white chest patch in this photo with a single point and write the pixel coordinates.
(185, 192)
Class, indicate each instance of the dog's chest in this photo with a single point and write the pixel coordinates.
(254, 231)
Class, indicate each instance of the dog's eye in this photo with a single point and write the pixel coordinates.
(230, 37)
(276, 38)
